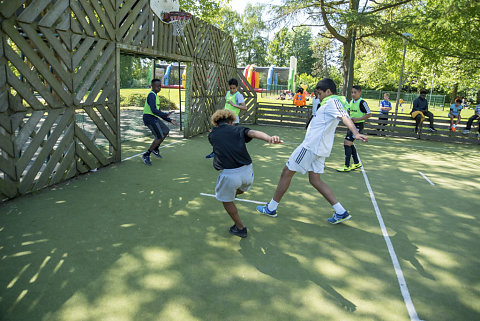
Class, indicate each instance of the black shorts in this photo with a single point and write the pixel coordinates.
(349, 135)
(158, 128)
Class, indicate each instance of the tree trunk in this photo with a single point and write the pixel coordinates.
(478, 96)
(454, 93)
(346, 58)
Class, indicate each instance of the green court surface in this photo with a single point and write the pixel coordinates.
(131, 242)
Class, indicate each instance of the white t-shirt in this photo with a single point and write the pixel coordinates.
(321, 131)
(315, 105)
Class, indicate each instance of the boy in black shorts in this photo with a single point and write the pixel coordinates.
(359, 112)
(234, 162)
(150, 112)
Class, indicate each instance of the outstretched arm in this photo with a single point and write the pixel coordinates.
(261, 135)
(349, 123)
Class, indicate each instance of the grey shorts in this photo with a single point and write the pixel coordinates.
(159, 129)
(230, 180)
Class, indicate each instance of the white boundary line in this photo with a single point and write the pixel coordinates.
(423, 175)
(398, 269)
(237, 199)
(125, 159)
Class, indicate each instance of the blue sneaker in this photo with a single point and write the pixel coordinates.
(264, 210)
(211, 155)
(339, 218)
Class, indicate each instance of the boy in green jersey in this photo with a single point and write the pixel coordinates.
(359, 112)
(151, 112)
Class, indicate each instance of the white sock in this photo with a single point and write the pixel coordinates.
(338, 208)
(272, 205)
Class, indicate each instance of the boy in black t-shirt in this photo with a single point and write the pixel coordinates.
(234, 162)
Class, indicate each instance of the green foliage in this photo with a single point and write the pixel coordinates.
(309, 80)
(286, 43)
(166, 104)
(280, 48)
(207, 10)
(246, 30)
(126, 70)
(138, 100)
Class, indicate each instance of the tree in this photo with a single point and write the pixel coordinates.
(126, 70)
(341, 19)
(286, 43)
(207, 10)
(247, 32)
(302, 48)
(280, 48)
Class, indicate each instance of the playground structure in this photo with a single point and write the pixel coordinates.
(61, 58)
(277, 78)
(168, 74)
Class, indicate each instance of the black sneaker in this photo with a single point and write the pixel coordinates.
(235, 231)
(211, 155)
(432, 129)
(156, 152)
(146, 159)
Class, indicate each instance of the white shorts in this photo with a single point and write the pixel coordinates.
(230, 180)
(304, 160)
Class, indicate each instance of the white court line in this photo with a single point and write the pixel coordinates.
(423, 175)
(237, 199)
(398, 270)
(158, 148)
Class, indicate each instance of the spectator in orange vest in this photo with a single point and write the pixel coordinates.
(299, 98)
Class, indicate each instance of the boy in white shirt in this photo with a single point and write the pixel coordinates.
(316, 147)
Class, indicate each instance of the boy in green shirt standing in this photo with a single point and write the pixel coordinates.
(235, 102)
(359, 112)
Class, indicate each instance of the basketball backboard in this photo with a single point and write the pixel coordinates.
(161, 6)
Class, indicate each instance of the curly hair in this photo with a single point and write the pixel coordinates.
(223, 116)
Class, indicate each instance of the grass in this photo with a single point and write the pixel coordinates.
(173, 95)
(170, 93)
(132, 242)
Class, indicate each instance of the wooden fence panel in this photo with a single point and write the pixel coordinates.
(290, 115)
(59, 83)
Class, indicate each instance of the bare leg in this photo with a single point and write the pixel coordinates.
(283, 184)
(323, 188)
(233, 212)
(156, 143)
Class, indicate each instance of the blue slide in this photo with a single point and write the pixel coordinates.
(167, 75)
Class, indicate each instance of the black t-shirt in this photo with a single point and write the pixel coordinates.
(229, 146)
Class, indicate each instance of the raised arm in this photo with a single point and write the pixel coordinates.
(262, 136)
(350, 125)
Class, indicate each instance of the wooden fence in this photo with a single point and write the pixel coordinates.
(59, 58)
(289, 115)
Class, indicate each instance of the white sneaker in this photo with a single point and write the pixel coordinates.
(466, 131)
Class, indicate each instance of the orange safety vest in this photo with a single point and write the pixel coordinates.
(299, 100)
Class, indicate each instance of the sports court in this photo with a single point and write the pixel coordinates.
(131, 242)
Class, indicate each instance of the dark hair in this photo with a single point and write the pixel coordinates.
(357, 87)
(423, 92)
(154, 80)
(327, 83)
(458, 100)
(233, 82)
(300, 90)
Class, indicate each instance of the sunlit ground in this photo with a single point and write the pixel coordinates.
(131, 242)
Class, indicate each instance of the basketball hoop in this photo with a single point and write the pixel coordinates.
(179, 20)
